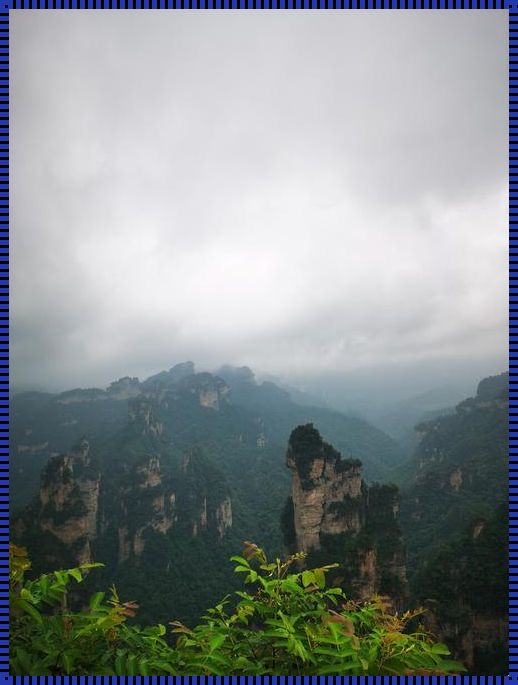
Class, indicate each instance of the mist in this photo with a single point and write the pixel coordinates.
(318, 195)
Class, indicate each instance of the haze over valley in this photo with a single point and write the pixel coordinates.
(259, 311)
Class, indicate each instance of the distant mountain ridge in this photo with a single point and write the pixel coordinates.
(150, 510)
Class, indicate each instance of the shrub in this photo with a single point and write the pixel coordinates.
(286, 623)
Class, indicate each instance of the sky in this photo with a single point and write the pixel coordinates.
(302, 192)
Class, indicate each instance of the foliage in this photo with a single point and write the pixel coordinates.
(47, 638)
(306, 445)
(285, 623)
(472, 444)
(468, 578)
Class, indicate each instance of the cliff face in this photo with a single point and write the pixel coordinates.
(114, 509)
(329, 496)
(69, 501)
(334, 516)
(158, 515)
(464, 587)
(453, 517)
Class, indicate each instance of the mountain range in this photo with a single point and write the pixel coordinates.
(163, 479)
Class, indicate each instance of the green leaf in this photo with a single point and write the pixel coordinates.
(31, 610)
(451, 666)
(440, 648)
(67, 663)
(291, 586)
(337, 669)
(91, 565)
(25, 660)
(163, 666)
(96, 600)
(320, 578)
(216, 641)
(76, 574)
(120, 662)
(308, 578)
(26, 594)
(240, 560)
(143, 667)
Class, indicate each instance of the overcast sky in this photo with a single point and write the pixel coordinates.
(295, 191)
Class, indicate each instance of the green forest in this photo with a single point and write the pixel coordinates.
(166, 482)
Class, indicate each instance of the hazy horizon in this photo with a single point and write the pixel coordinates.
(309, 194)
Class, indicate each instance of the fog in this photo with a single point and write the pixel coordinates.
(321, 196)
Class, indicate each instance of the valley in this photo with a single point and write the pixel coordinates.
(162, 481)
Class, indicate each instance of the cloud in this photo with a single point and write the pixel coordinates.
(294, 191)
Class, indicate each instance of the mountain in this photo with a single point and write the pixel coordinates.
(464, 586)
(459, 471)
(166, 475)
(453, 515)
(335, 517)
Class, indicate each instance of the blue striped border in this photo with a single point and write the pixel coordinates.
(512, 6)
(262, 680)
(261, 4)
(513, 357)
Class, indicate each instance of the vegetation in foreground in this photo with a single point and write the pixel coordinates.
(286, 622)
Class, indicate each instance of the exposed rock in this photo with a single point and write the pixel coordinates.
(141, 415)
(80, 395)
(209, 398)
(158, 504)
(330, 501)
(150, 473)
(162, 524)
(210, 390)
(456, 479)
(203, 514)
(138, 542)
(69, 500)
(124, 545)
(261, 440)
(328, 492)
(477, 529)
(367, 574)
(180, 371)
(224, 516)
(124, 389)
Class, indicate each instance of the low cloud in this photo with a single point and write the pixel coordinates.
(292, 191)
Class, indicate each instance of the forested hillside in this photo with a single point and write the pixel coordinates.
(454, 519)
(164, 479)
(166, 475)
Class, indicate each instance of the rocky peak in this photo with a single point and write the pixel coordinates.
(80, 395)
(211, 391)
(166, 380)
(69, 500)
(180, 371)
(236, 375)
(333, 508)
(494, 387)
(328, 491)
(124, 389)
